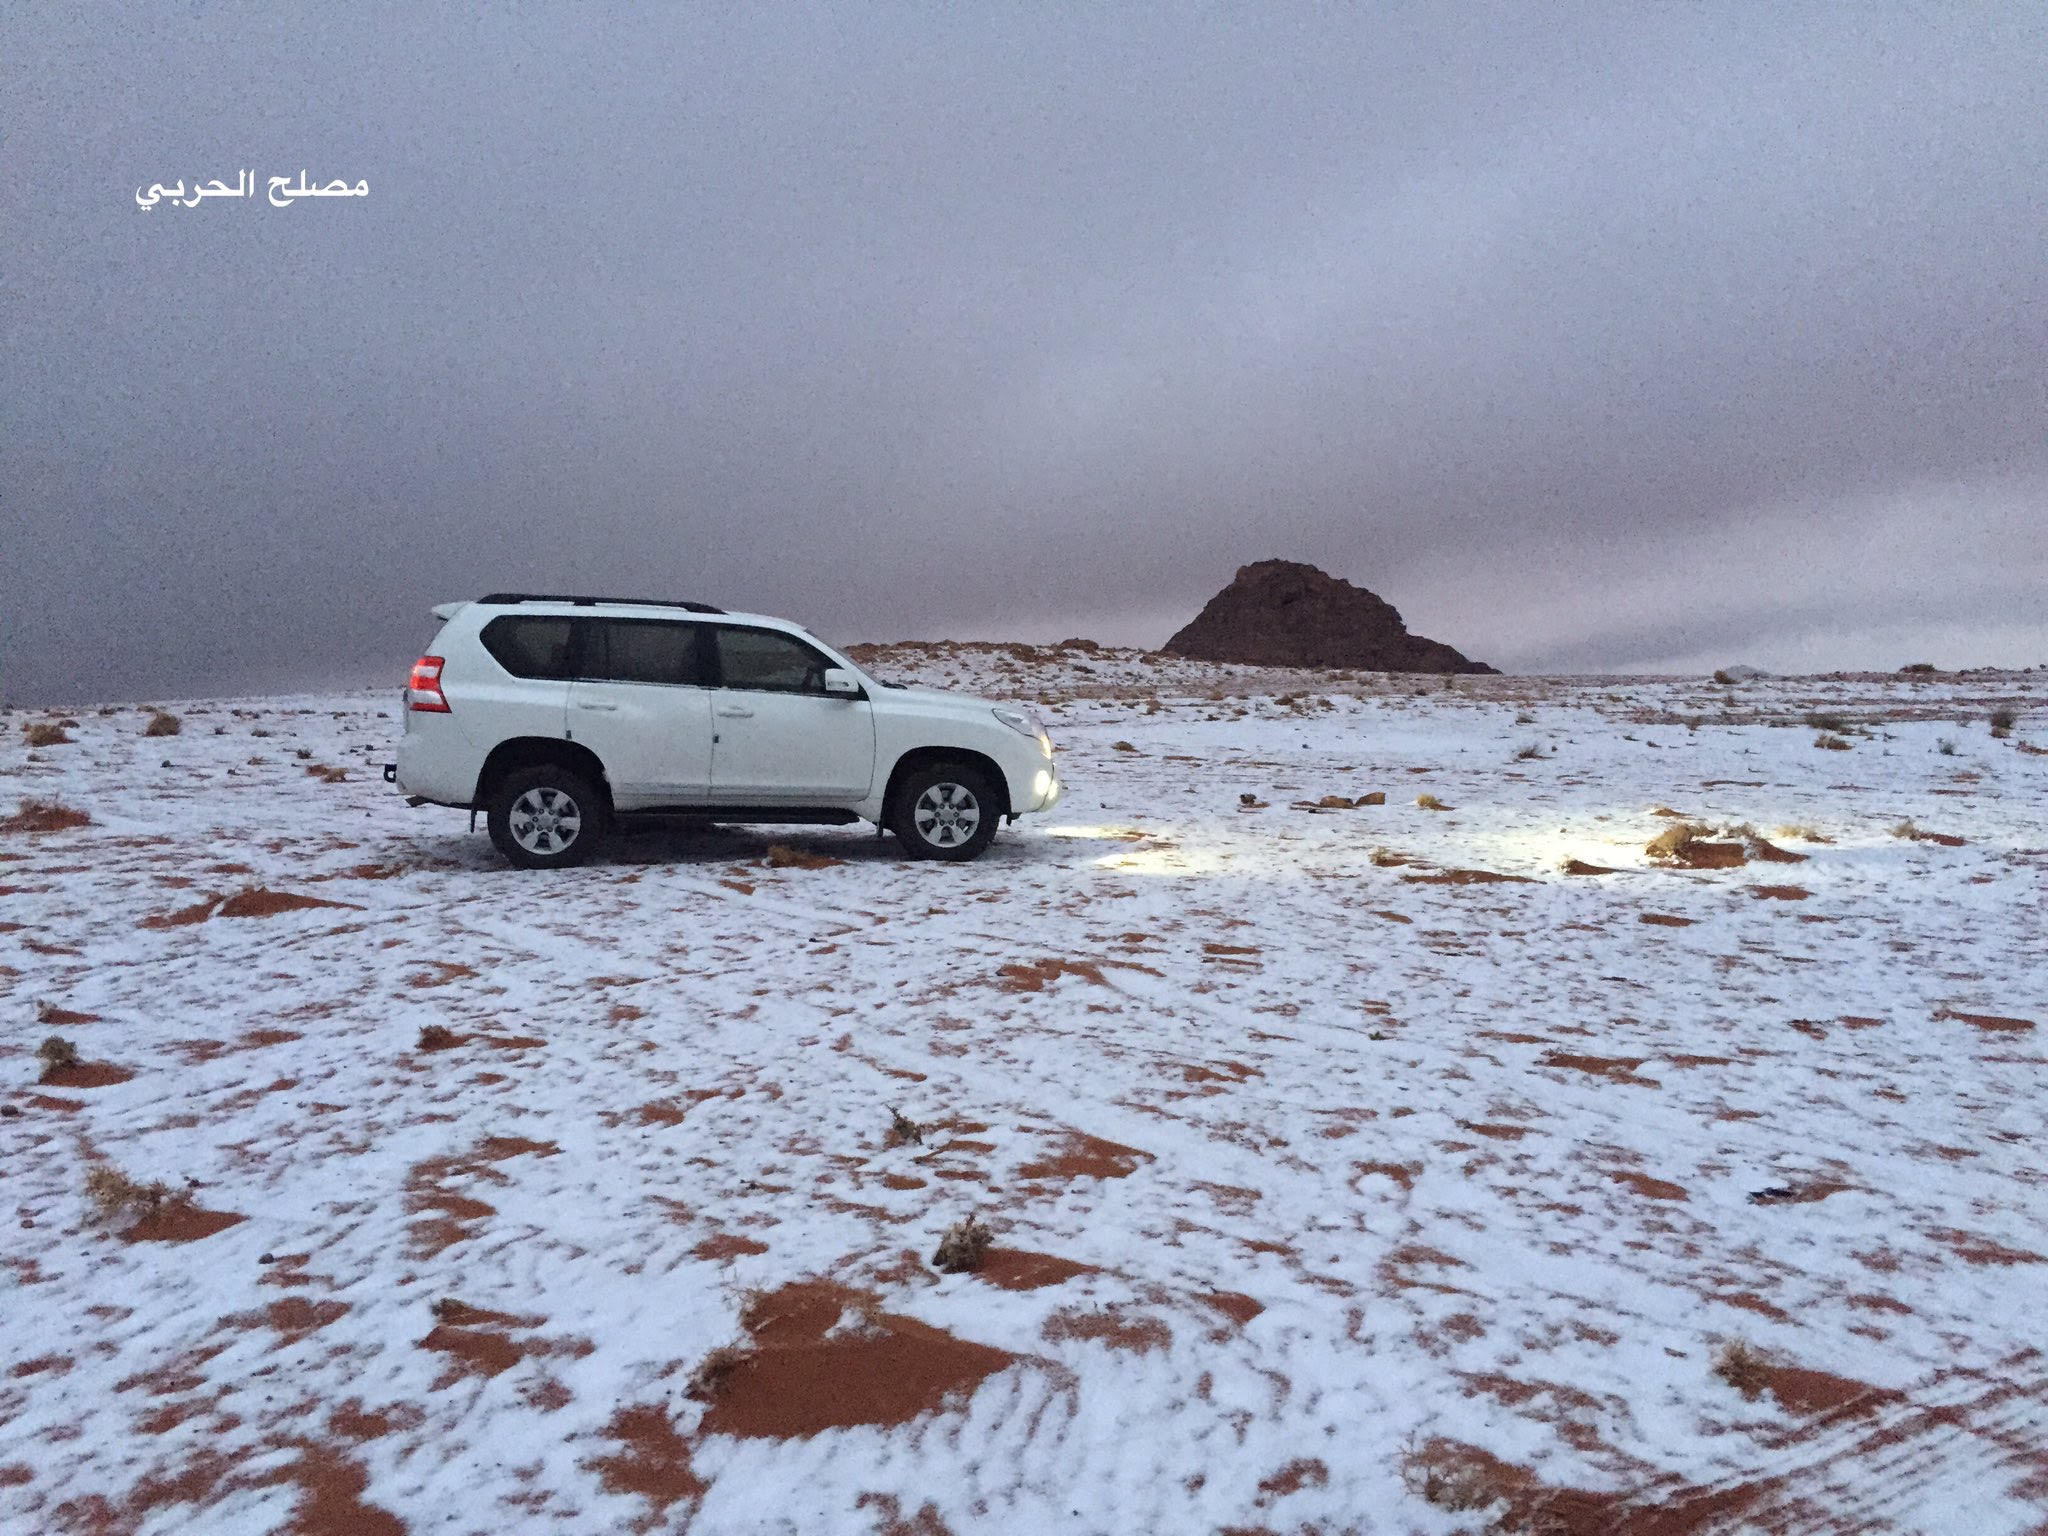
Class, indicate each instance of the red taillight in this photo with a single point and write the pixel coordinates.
(423, 688)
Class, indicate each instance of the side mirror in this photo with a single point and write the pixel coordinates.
(841, 682)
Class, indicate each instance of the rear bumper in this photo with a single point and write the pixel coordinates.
(435, 761)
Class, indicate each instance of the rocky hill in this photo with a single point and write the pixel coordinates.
(1280, 613)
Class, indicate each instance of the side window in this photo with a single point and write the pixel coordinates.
(642, 651)
(770, 660)
(529, 647)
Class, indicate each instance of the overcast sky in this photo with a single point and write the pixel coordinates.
(1593, 337)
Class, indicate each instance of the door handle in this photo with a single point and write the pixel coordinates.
(735, 712)
(582, 704)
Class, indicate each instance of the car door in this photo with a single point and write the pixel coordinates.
(781, 739)
(641, 703)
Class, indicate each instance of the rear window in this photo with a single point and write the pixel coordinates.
(530, 646)
(642, 651)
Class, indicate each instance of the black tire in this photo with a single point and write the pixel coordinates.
(548, 791)
(934, 807)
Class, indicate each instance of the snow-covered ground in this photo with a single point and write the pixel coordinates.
(1334, 1187)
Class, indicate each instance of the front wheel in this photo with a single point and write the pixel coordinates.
(945, 811)
(546, 817)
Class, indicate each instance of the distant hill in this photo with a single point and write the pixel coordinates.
(1280, 613)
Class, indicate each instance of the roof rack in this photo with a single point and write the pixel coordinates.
(592, 602)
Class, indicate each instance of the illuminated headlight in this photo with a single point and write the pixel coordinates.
(1024, 723)
(1041, 785)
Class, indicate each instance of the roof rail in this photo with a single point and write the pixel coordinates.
(592, 602)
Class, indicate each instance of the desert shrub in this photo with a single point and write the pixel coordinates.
(1724, 679)
(1373, 797)
(44, 816)
(44, 733)
(961, 1249)
(163, 723)
(1672, 842)
(1804, 832)
(1918, 668)
(903, 1130)
(1431, 803)
(1829, 742)
(436, 1037)
(1825, 722)
(713, 1369)
(1121, 746)
(113, 1194)
(56, 1053)
(302, 753)
(2002, 721)
(1525, 718)
(1945, 747)
(1448, 1476)
(1386, 858)
(1530, 752)
(1742, 1368)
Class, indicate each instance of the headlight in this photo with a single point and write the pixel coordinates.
(1024, 723)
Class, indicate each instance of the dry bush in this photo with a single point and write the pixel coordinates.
(782, 856)
(1919, 668)
(1386, 858)
(113, 1194)
(1375, 797)
(1672, 842)
(712, 1370)
(302, 753)
(1121, 746)
(1530, 752)
(2002, 722)
(44, 816)
(1805, 833)
(961, 1249)
(44, 733)
(1945, 747)
(1724, 679)
(163, 723)
(1907, 829)
(1448, 1476)
(1742, 1368)
(436, 1037)
(56, 1053)
(903, 1130)
(1829, 742)
(1431, 803)
(1828, 722)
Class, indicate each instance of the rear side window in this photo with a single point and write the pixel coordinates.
(530, 646)
(642, 651)
(770, 660)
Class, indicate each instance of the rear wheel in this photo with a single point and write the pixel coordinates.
(944, 811)
(545, 817)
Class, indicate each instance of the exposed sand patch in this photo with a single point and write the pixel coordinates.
(796, 1381)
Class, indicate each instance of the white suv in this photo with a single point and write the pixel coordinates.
(555, 715)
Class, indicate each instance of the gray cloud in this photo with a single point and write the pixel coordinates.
(1631, 338)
